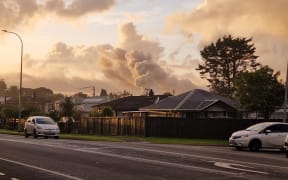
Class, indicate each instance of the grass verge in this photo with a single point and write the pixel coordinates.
(156, 140)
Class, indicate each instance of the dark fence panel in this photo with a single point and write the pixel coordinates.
(196, 128)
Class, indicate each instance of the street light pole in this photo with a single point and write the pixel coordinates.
(20, 83)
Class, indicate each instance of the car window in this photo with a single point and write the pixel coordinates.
(44, 120)
(256, 127)
(285, 128)
(277, 128)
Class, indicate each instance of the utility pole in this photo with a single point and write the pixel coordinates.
(285, 97)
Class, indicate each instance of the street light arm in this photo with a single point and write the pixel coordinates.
(4, 30)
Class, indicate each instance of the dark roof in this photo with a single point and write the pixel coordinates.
(194, 100)
(131, 103)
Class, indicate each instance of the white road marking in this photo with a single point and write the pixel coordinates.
(41, 169)
(234, 167)
(2, 174)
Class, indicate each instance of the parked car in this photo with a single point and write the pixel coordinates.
(41, 126)
(286, 146)
(261, 135)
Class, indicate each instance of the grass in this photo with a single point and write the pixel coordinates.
(156, 140)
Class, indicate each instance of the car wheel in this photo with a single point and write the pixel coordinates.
(25, 134)
(56, 137)
(254, 145)
(35, 134)
(286, 152)
(239, 148)
(46, 137)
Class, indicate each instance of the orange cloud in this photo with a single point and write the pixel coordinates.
(264, 20)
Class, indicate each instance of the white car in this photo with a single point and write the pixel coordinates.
(261, 135)
(286, 146)
(41, 126)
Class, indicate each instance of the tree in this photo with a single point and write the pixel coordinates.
(13, 91)
(3, 87)
(103, 92)
(67, 107)
(224, 60)
(260, 91)
(107, 111)
(81, 95)
(151, 92)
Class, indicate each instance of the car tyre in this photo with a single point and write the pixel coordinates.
(238, 148)
(286, 153)
(56, 137)
(254, 145)
(35, 134)
(25, 134)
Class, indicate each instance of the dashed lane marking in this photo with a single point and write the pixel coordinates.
(238, 167)
(41, 169)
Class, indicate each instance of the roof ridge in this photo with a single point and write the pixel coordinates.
(184, 100)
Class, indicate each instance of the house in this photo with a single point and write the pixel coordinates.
(129, 103)
(86, 105)
(196, 103)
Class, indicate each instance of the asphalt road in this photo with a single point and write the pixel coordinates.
(28, 159)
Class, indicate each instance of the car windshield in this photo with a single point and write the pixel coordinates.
(44, 120)
(257, 127)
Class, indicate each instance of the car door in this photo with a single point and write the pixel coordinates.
(274, 136)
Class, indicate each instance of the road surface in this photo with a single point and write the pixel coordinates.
(26, 159)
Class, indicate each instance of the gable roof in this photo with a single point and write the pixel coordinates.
(194, 100)
(131, 103)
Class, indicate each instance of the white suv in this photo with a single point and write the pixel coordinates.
(41, 126)
(261, 135)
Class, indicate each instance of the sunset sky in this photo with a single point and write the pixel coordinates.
(131, 44)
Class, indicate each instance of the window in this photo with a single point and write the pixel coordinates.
(278, 128)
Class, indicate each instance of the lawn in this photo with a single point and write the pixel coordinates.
(156, 140)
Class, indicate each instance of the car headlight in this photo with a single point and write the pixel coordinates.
(237, 137)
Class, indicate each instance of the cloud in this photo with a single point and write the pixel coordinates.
(131, 66)
(15, 12)
(265, 21)
(23, 12)
(77, 7)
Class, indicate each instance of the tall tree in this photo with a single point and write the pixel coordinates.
(260, 91)
(13, 91)
(224, 60)
(67, 107)
(103, 92)
(3, 87)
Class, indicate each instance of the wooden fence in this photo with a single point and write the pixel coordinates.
(150, 126)
(113, 126)
(165, 127)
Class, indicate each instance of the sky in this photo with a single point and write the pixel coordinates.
(131, 45)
